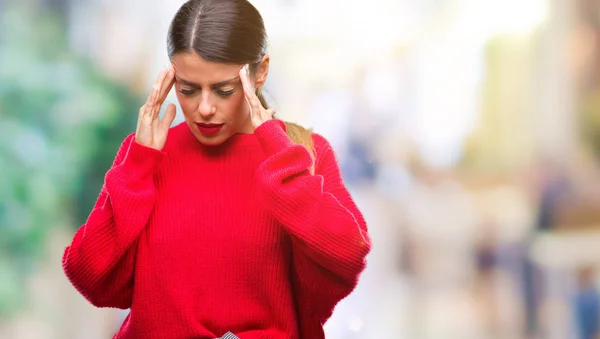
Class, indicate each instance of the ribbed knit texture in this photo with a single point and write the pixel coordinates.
(241, 237)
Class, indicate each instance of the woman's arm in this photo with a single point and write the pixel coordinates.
(100, 260)
(328, 231)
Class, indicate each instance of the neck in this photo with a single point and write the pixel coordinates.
(237, 140)
(247, 127)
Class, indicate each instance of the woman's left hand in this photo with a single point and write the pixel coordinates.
(258, 114)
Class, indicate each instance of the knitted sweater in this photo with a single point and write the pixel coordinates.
(200, 240)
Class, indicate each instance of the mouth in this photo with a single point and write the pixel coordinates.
(209, 129)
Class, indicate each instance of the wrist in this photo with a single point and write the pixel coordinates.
(272, 136)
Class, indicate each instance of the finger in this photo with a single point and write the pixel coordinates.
(167, 84)
(157, 86)
(140, 116)
(155, 110)
(151, 97)
(271, 112)
(167, 89)
(151, 103)
(166, 80)
(249, 90)
(169, 116)
(146, 110)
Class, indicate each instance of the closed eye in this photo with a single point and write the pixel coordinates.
(220, 92)
(225, 93)
(186, 91)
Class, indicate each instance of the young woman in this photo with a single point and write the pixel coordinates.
(233, 224)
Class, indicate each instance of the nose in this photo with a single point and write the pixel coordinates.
(205, 107)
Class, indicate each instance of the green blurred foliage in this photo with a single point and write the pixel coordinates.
(61, 122)
(590, 121)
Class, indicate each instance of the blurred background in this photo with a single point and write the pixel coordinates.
(467, 130)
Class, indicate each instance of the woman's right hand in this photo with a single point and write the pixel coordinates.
(151, 131)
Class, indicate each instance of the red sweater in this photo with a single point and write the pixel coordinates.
(241, 237)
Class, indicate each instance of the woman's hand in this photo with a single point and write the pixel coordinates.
(258, 114)
(151, 131)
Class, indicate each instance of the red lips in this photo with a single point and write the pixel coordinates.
(209, 129)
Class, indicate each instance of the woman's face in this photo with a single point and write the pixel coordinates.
(212, 97)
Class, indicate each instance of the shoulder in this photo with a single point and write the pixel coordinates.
(320, 142)
(322, 146)
(128, 139)
(124, 147)
(324, 153)
(305, 136)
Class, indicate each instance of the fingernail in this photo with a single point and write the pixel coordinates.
(247, 69)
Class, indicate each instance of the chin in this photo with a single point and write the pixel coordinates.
(213, 140)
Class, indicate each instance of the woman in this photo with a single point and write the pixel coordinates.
(232, 224)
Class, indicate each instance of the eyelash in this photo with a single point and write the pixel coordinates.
(219, 92)
(225, 93)
(186, 92)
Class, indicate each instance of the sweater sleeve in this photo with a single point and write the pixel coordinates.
(100, 259)
(328, 232)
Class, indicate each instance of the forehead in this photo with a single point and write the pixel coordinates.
(192, 67)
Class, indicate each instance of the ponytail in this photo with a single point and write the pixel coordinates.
(295, 132)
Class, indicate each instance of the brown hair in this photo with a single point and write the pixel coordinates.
(227, 31)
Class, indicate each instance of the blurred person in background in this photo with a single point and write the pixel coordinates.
(553, 189)
(231, 224)
(586, 305)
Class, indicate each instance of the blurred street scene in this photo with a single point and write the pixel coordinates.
(467, 130)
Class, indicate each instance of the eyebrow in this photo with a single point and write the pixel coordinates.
(217, 84)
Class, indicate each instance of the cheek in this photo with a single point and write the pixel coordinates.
(238, 104)
(188, 105)
(233, 108)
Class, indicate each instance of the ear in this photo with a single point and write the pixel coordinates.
(262, 71)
